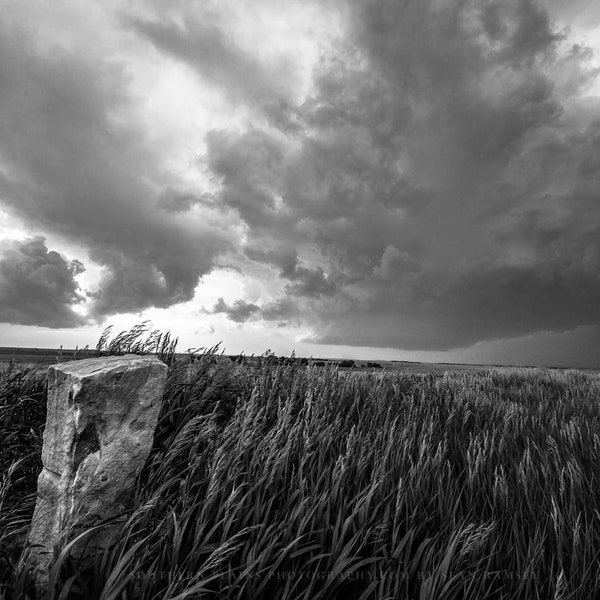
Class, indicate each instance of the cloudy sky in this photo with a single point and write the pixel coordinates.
(396, 179)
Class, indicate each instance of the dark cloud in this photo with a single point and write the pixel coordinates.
(577, 348)
(488, 302)
(37, 285)
(442, 176)
(75, 160)
(240, 311)
(304, 281)
(283, 309)
(310, 282)
(249, 167)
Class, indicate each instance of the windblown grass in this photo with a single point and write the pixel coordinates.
(138, 340)
(22, 419)
(292, 482)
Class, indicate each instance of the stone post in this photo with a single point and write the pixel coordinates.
(101, 417)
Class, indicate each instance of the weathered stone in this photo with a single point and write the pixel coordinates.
(100, 424)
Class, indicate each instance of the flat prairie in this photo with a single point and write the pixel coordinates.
(282, 481)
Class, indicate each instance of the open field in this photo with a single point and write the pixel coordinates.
(286, 482)
(47, 356)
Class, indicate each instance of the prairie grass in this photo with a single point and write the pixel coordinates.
(294, 482)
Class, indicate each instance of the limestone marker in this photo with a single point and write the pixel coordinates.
(101, 417)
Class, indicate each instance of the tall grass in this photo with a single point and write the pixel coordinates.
(22, 419)
(293, 482)
(138, 340)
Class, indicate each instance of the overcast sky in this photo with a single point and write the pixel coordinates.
(396, 179)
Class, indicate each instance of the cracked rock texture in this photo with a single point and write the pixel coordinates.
(102, 413)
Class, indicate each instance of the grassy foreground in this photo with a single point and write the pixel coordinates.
(294, 482)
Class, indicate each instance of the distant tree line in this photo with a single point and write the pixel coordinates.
(270, 358)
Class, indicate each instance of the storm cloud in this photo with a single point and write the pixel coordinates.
(37, 285)
(240, 311)
(282, 310)
(424, 175)
(76, 162)
(443, 178)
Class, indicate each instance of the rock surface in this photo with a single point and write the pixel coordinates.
(100, 424)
